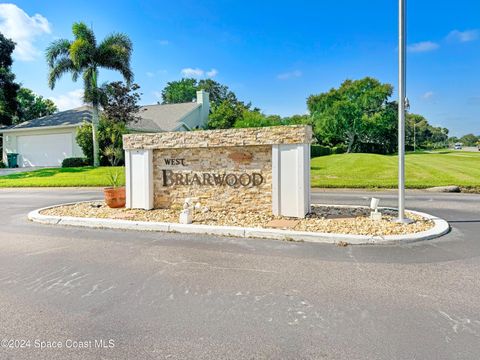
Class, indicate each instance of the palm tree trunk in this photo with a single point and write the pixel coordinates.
(95, 118)
(96, 150)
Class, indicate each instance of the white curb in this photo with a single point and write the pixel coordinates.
(441, 227)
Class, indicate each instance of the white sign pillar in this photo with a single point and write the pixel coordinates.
(291, 180)
(139, 179)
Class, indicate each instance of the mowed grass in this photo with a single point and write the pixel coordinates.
(58, 177)
(423, 170)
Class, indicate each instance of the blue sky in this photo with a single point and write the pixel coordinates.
(272, 53)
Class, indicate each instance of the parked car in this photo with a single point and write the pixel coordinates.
(457, 146)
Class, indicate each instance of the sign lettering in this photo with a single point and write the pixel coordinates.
(171, 178)
(175, 162)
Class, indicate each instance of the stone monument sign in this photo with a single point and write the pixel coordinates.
(241, 169)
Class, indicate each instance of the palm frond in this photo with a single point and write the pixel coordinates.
(81, 31)
(114, 53)
(58, 48)
(122, 68)
(119, 41)
(82, 53)
(60, 67)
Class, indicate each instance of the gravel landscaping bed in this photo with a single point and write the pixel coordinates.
(323, 219)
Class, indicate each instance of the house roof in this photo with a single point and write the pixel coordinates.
(62, 118)
(153, 118)
(165, 117)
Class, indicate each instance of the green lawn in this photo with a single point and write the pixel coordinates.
(334, 171)
(423, 170)
(83, 176)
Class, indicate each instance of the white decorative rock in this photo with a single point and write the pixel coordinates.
(376, 216)
(185, 217)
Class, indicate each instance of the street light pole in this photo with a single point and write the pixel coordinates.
(402, 50)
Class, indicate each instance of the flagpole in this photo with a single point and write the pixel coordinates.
(401, 109)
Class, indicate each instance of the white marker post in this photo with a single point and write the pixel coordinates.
(402, 48)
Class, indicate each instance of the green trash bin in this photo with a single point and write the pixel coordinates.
(12, 160)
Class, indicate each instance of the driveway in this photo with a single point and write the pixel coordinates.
(176, 296)
(8, 171)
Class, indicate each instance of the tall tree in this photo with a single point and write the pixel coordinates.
(84, 57)
(32, 106)
(184, 90)
(181, 91)
(217, 92)
(469, 140)
(343, 115)
(224, 115)
(420, 134)
(120, 102)
(8, 86)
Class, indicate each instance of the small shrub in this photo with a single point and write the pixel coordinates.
(114, 178)
(320, 150)
(2, 165)
(85, 141)
(339, 149)
(74, 162)
(109, 135)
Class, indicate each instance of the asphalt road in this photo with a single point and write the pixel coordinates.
(173, 296)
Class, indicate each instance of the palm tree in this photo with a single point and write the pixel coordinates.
(82, 57)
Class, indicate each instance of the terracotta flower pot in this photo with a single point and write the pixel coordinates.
(114, 197)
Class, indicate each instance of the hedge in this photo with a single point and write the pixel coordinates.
(321, 150)
(339, 149)
(74, 162)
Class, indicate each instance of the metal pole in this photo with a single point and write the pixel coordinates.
(414, 136)
(401, 108)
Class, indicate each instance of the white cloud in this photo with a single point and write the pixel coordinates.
(463, 36)
(423, 46)
(196, 73)
(70, 100)
(212, 73)
(289, 75)
(150, 74)
(23, 29)
(428, 95)
(189, 72)
(163, 42)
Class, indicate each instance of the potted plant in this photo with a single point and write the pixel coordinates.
(115, 194)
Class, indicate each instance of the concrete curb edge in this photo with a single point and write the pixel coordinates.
(441, 227)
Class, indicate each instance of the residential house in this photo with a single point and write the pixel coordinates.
(48, 140)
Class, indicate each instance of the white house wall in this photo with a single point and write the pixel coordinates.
(194, 119)
(10, 139)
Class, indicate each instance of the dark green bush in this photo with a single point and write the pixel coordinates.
(109, 138)
(339, 149)
(2, 165)
(320, 150)
(370, 148)
(74, 162)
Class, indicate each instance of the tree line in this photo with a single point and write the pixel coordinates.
(359, 115)
(17, 103)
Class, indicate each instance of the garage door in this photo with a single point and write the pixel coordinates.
(44, 150)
